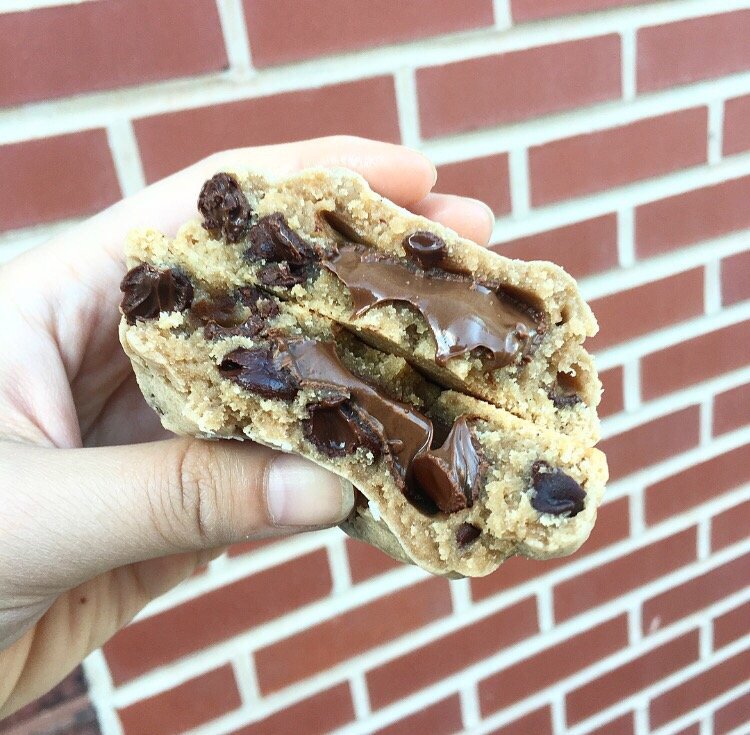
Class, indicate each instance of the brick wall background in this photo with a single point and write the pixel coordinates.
(610, 136)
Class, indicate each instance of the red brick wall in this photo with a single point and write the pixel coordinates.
(612, 136)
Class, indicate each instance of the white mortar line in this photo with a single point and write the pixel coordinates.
(520, 188)
(631, 384)
(628, 65)
(641, 719)
(470, 710)
(407, 106)
(98, 109)
(557, 705)
(460, 594)
(715, 131)
(236, 40)
(502, 13)
(126, 156)
(360, 696)
(712, 286)
(247, 679)
(635, 624)
(635, 507)
(13, 6)
(706, 726)
(100, 690)
(544, 607)
(338, 560)
(706, 639)
(706, 420)
(704, 538)
(626, 237)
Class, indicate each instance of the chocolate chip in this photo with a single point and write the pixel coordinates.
(272, 239)
(554, 491)
(251, 327)
(148, 291)
(256, 370)
(282, 274)
(467, 533)
(338, 428)
(342, 228)
(224, 207)
(433, 476)
(425, 247)
(560, 400)
(221, 309)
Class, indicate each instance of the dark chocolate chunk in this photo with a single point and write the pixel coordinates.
(463, 314)
(251, 327)
(148, 291)
(249, 295)
(221, 310)
(257, 370)
(224, 207)
(554, 491)
(340, 428)
(452, 474)
(272, 239)
(425, 248)
(467, 533)
(560, 400)
(281, 274)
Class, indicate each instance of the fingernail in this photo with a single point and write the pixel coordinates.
(299, 493)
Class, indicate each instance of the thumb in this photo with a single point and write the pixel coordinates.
(73, 513)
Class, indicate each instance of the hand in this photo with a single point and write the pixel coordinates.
(100, 511)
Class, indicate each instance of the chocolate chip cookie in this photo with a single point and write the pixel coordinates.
(447, 383)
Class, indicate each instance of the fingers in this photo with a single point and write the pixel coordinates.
(76, 513)
(470, 218)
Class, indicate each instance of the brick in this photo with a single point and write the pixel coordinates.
(340, 25)
(54, 52)
(688, 218)
(692, 50)
(731, 626)
(366, 561)
(552, 665)
(321, 714)
(624, 725)
(505, 88)
(736, 125)
(486, 179)
(651, 442)
(697, 484)
(695, 594)
(701, 689)
(695, 360)
(610, 158)
(735, 278)
(217, 615)
(637, 311)
(730, 527)
(733, 715)
(79, 164)
(613, 392)
(524, 10)
(631, 677)
(731, 409)
(184, 707)
(323, 646)
(583, 248)
(443, 718)
(538, 722)
(451, 653)
(617, 577)
(174, 140)
(612, 525)
(691, 730)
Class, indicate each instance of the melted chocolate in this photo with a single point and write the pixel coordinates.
(554, 491)
(424, 247)
(463, 314)
(450, 475)
(340, 427)
(261, 371)
(316, 363)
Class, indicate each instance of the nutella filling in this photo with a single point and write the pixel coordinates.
(463, 315)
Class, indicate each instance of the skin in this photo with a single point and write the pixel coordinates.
(101, 510)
